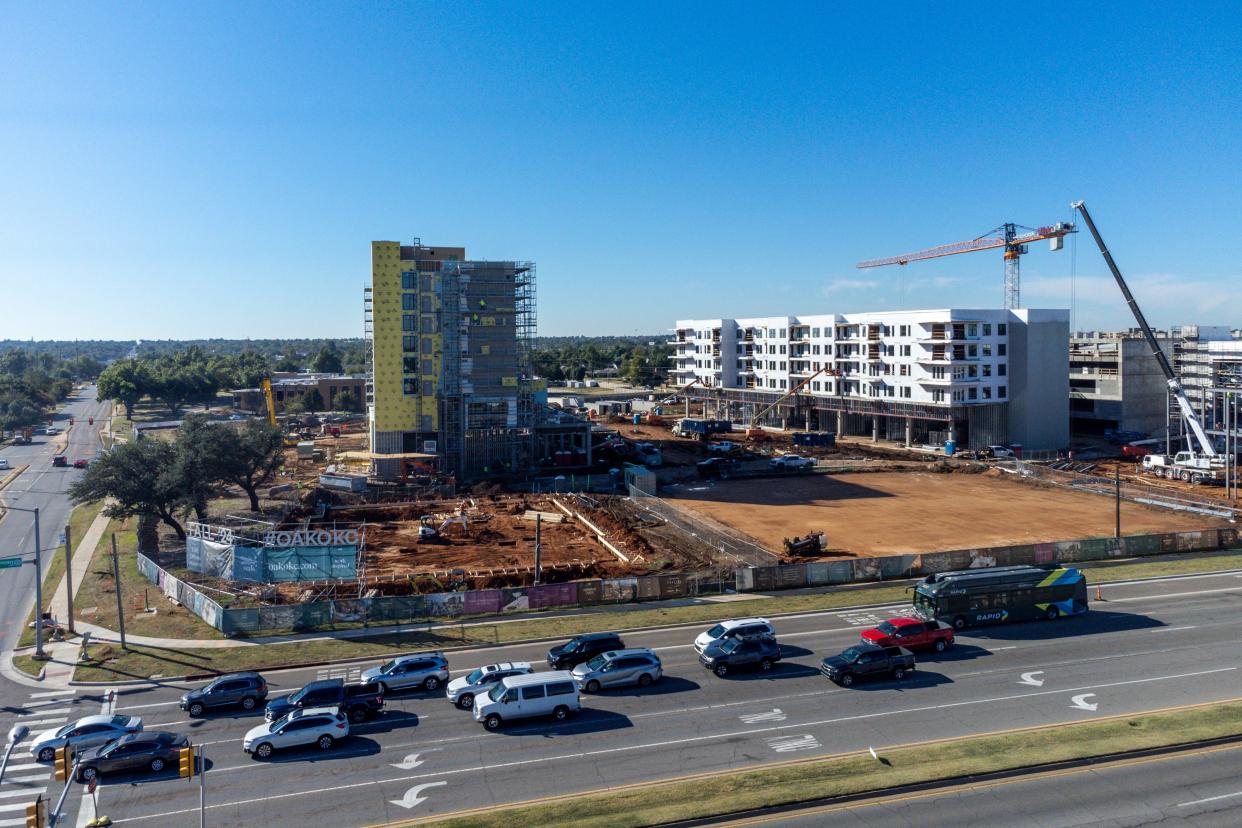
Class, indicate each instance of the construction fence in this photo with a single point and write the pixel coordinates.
(1135, 492)
(729, 544)
(383, 610)
(892, 567)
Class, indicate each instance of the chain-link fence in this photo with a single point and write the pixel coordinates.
(1131, 491)
(732, 547)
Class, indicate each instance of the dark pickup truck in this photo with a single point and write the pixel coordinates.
(864, 661)
(357, 701)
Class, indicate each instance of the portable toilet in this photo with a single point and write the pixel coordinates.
(638, 418)
(949, 448)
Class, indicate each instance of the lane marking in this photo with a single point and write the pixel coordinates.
(22, 792)
(664, 744)
(1174, 595)
(1175, 629)
(789, 744)
(1080, 702)
(414, 795)
(773, 715)
(1029, 678)
(41, 722)
(64, 710)
(1209, 799)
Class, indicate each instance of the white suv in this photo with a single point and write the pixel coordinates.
(320, 726)
(735, 628)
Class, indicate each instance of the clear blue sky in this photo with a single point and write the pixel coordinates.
(175, 170)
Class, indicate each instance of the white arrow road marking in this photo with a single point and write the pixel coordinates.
(774, 715)
(408, 763)
(1080, 702)
(412, 796)
(788, 744)
(1029, 678)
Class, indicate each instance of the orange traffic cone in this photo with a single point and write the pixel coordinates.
(1099, 595)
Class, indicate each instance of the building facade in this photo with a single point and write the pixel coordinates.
(974, 377)
(450, 343)
(1116, 382)
(287, 387)
(1208, 360)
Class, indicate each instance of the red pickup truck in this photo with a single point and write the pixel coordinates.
(910, 633)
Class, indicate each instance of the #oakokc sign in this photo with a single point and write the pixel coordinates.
(312, 537)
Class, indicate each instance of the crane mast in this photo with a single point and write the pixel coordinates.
(1175, 385)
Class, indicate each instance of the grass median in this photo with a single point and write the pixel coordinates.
(851, 774)
(80, 520)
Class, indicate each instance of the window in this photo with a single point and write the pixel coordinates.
(427, 369)
(1000, 349)
(905, 391)
(1000, 390)
(1000, 329)
(429, 324)
(409, 343)
(409, 322)
(409, 302)
(987, 393)
(905, 350)
(974, 393)
(561, 688)
(987, 329)
(987, 370)
(409, 365)
(783, 333)
(938, 395)
(782, 349)
(972, 371)
(425, 279)
(987, 350)
(972, 351)
(1000, 370)
(535, 691)
(972, 329)
(426, 306)
(905, 370)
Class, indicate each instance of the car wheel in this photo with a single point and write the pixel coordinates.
(959, 623)
(765, 664)
(248, 703)
(492, 722)
(263, 751)
(645, 680)
(561, 713)
(325, 742)
(157, 765)
(47, 754)
(358, 715)
(465, 701)
(941, 645)
(721, 670)
(592, 686)
(1052, 613)
(196, 710)
(847, 679)
(87, 774)
(431, 683)
(899, 673)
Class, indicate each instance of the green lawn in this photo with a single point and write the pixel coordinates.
(80, 520)
(28, 664)
(808, 780)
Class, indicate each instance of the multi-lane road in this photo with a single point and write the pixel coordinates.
(1152, 645)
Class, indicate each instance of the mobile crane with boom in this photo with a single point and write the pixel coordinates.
(1195, 465)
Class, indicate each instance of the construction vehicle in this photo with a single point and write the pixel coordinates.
(21, 437)
(271, 403)
(1197, 464)
(812, 545)
(700, 429)
(754, 432)
(1005, 236)
(428, 532)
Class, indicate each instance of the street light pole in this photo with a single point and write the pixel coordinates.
(39, 654)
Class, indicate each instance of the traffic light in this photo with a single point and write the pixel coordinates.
(36, 814)
(186, 755)
(63, 761)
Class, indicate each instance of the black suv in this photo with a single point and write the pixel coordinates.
(582, 648)
(247, 690)
(729, 654)
(864, 661)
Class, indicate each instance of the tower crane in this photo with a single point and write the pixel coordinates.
(1012, 237)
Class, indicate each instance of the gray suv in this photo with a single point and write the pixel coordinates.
(617, 668)
(425, 670)
(245, 690)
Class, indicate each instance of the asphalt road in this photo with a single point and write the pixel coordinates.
(1202, 788)
(1152, 645)
(41, 487)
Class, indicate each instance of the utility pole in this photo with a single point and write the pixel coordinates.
(538, 548)
(120, 609)
(1117, 488)
(69, 574)
(202, 787)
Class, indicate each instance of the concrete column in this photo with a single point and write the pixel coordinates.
(909, 431)
(840, 423)
(875, 429)
(953, 430)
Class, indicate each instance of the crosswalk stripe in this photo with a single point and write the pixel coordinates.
(26, 767)
(46, 702)
(23, 792)
(49, 693)
(14, 806)
(55, 712)
(53, 720)
(13, 823)
(22, 780)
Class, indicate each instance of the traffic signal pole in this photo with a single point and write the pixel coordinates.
(60, 803)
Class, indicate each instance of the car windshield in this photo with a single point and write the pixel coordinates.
(120, 721)
(475, 677)
(573, 645)
(597, 662)
(107, 747)
(66, 729)
(886, 628)
(388, 668)
(716, 631)
(281, 721)
(730, 645)
(496, 692)
(851, 654)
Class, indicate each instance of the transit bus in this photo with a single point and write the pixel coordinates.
(971, 597)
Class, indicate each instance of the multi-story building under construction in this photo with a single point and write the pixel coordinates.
(450, 346)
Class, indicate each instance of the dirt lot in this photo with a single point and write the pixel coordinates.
(889, 513)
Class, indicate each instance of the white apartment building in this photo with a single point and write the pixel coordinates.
(976, 377)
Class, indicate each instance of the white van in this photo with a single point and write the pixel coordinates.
(521, 697)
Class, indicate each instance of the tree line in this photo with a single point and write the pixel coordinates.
(32, 382)
(639, 360)
(167, 480)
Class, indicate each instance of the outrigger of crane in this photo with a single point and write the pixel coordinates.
(1006, 236)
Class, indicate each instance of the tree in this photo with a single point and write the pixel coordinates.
(248, 456)
(125, 381)
(289, 362)
(327, 361)
(198, 465)
(348, 401)
(140, 479)
(312, 400)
